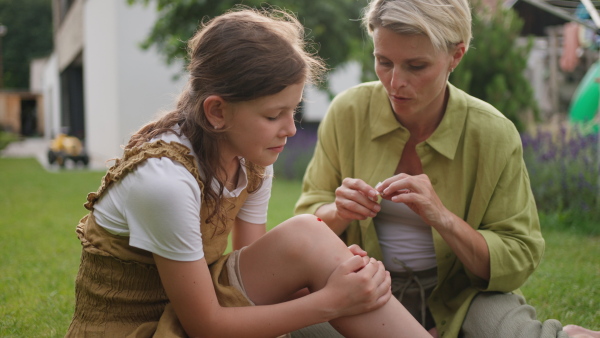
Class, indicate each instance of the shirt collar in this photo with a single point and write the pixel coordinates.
(447, 135)
(382, 118)
(444, 139)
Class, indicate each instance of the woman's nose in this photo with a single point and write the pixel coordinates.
(398, 78)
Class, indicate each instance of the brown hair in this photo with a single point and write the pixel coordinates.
(241, 55)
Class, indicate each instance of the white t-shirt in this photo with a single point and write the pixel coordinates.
(158, 206)
(404, 236)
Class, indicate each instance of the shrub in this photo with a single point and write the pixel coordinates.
(493, 69)
(562, 163)
(563, 169)
(6, 138)
(292, 162)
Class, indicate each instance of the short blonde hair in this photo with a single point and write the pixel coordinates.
(444, 22)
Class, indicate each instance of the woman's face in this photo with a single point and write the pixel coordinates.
(413, 73)
(257, 130)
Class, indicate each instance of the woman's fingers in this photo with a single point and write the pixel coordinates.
(356, 200)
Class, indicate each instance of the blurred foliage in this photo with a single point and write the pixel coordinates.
(493, 69)
(6, 138)
(29, 36)
(563, 170)
(333, 25)
(292, 162)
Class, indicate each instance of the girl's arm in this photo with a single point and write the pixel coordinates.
(191, 292)
(245, 233)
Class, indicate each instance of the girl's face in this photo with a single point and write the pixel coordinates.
(257, 130)
(413, 73)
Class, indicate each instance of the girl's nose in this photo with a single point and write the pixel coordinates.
(289, 128)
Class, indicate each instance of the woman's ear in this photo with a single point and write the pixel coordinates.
(214, 106)
(457, 54)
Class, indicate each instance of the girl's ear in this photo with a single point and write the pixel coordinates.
(214, 107)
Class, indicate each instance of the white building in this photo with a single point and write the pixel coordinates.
(99, 85)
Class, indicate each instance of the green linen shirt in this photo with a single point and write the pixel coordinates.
(475, 163)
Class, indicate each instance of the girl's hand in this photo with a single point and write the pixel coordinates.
(356, 200)
(357, 250)
(358, 285)
(418, 194)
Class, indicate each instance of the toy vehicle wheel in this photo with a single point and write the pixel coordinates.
(51, 157)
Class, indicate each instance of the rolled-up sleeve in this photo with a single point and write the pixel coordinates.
(511, 227)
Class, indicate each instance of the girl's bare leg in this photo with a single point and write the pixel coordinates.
(303, 252)
(577, 331)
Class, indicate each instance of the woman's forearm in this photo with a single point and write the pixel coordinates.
(468, 245)
(328, 213)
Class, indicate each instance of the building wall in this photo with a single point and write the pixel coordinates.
(101, 87)
(10, 110)
(68, 39)
(124, 86)
(146, 84)
(51, 96)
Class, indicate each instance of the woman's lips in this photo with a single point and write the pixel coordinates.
(400, 98)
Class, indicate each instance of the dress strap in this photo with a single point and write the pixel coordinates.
(134, 156)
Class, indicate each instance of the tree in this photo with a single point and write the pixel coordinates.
(492, 71)
(334, 25)
(494, 67)
(29, 24)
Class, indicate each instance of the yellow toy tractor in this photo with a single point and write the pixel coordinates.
(65, 147)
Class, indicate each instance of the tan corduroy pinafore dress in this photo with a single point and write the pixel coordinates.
(118, 290)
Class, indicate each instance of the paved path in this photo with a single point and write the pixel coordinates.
(29, 147)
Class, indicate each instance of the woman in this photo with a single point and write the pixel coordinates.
(153, 260)
(430, 179)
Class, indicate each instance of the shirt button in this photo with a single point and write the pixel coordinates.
(443, 322)
(434, 181)
(442, 334)
(448, 255)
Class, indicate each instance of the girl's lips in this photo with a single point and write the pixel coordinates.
(277, 149)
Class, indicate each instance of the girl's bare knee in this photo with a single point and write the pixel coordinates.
(307, 232)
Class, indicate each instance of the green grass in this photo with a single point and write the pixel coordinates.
(39, 253)
(39, 250)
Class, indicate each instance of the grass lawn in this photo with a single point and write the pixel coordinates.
(39, 252)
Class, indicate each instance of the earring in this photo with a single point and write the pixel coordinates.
(216, 127)
(451, 70)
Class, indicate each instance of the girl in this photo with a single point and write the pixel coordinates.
(153, 243)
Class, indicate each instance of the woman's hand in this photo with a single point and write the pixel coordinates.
(418, 194)
(356, 200)
(358, 285)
